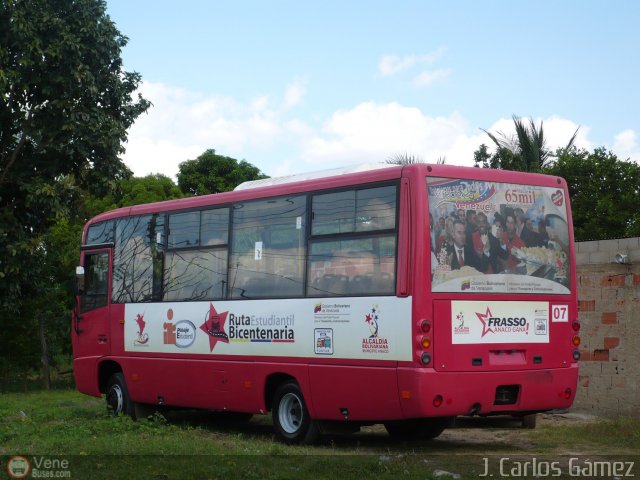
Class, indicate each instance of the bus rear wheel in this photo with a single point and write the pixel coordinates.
(291, 418)
(118, 399)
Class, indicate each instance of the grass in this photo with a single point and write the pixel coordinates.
(67, 425)
(617, 435)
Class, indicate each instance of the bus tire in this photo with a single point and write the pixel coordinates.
(417, 429)
(118, 399)
(291, 419)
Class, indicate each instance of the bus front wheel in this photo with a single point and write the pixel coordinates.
(118, 400)
(291, 418)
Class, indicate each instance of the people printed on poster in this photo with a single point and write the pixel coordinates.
(489, 237)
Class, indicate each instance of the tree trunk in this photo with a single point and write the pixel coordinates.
(45, 354)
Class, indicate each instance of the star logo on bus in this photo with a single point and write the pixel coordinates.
(372, 320)
(214, 326)
(483, 317)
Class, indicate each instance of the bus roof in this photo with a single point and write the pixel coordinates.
(326, 179)
(301, 177)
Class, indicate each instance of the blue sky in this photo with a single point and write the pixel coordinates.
(297, 86)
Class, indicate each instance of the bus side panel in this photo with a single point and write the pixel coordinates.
(176, 382)
(117, 329)
(208, 384)
(369, 393)
(85, 371)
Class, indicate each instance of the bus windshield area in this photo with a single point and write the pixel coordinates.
(491, 237)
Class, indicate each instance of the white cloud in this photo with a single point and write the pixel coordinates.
(626, 145)
(270, 135)
(181, 125)
(373, 132)
(427, 77)
(393, 64)
(294, 94)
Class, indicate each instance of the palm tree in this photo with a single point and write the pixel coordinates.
(526, 150)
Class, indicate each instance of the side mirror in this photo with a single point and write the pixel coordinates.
(79, 280)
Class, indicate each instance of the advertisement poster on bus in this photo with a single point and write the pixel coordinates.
(491, 237)
(377, 328)
(479, 322)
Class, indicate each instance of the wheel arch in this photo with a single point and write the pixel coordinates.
(272, 382)
(105, 370)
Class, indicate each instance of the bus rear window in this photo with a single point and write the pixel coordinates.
(490, 237)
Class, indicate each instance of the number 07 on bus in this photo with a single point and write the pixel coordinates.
(400, 295)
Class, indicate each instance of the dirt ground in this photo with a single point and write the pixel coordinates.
(506, 430)
(492, 435)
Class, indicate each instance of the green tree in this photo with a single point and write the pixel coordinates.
(604, 192)
(526, 151)
(65, 106)
(134, 191)
(213, 173)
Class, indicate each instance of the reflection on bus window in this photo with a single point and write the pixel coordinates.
(195, 274)
(362, 266)
(96, 281)
(100, 233)
(137, 272)
(353, 246)
(354, 211)
(268, 250)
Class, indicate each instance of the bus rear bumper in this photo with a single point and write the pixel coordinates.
(427, 393)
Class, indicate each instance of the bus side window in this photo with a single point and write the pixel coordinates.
(352, 250)
(268, 248)
(96, 283)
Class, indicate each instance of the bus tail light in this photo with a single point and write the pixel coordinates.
(576, 326)
(425, 326)
(576, 340)
(567, 394)
(576, 355)
(437, 401)
(423, 342)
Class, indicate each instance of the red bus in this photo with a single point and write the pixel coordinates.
(401, 295)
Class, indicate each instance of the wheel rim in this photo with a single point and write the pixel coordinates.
(290, 413)
(115, 399)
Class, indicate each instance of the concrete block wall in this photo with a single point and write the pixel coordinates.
(609, 312)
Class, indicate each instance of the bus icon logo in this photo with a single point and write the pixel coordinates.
(18, 467)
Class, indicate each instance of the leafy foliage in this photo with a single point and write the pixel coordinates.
(134, 191)
(604, 191)
(410, 159)
(213, 173)
(526, 151)
(65, 107)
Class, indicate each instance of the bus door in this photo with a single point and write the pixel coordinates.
(91, 333)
